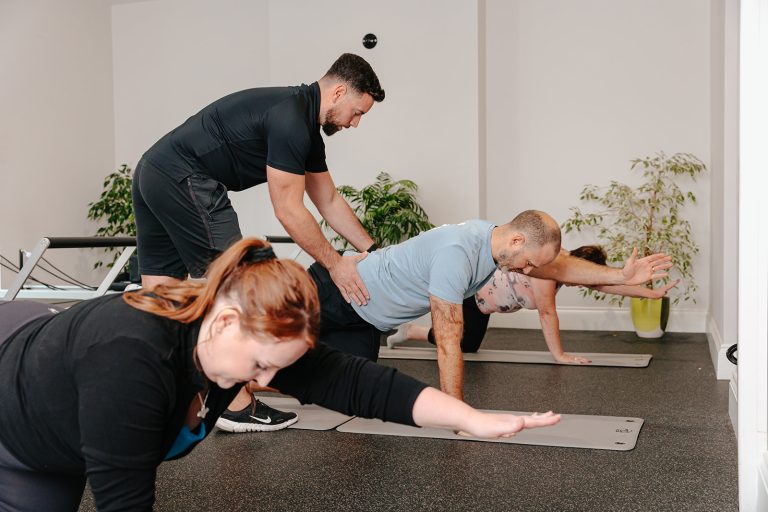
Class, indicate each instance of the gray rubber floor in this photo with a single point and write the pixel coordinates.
(685, 459)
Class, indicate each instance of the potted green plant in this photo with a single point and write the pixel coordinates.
(648, 216)
(388, 210)
(115, 209)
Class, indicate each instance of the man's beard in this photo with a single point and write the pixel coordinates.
(506, 260)
(330, 127)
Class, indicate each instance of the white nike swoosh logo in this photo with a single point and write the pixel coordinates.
(263, 420)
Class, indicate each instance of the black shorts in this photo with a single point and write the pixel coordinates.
(475, 326)
(181, 225)
(340, 325)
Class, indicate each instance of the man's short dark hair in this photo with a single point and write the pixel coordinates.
(358, 74)
(538, 227)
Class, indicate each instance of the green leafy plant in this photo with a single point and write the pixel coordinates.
(115, 208)
(387, 209)
(648, 216)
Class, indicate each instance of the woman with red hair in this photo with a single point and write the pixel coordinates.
(112, 387)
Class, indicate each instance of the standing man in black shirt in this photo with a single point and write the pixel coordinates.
(267, 135)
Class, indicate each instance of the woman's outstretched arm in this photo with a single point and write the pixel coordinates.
(639, 291)
(353, 385)
(435, 409)
(544, 292)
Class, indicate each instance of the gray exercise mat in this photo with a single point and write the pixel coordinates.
(311, 417)
(573, 431)
(520, 356)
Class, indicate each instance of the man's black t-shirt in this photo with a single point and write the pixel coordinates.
(234, 139)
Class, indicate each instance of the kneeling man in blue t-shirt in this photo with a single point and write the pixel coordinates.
(436, 270)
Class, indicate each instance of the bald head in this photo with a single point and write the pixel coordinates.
(530, 240)
(537, 227)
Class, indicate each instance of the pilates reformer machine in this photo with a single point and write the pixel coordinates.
(19, 289)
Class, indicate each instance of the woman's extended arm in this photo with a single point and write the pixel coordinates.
(353, 385)
(638, 291)
(435, 409)
(544, 291)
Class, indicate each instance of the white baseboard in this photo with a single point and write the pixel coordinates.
(717, 349)
(600, 319)
(762, 484)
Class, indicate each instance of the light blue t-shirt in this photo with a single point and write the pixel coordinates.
(451, 262)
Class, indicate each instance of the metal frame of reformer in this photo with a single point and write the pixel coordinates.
(17, 290)
(272, 239)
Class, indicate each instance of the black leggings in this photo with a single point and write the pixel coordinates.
(475, 325)
(22, 488)
(340, 326)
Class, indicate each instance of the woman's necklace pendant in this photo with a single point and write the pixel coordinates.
(203, 409)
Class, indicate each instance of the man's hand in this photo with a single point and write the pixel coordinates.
(639, 271)
(346, 277)
(569, 359)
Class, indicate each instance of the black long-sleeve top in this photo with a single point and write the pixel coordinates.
(103, 389)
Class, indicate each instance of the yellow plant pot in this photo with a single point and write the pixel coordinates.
(649, 316)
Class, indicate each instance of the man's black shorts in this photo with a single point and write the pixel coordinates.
(182, 225)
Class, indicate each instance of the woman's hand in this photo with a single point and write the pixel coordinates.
(435, 409)
(493, 426)
(658, 293)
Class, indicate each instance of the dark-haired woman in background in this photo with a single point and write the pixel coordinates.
(507, 292)
(112, 387)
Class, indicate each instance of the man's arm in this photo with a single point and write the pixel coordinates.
(335, 210)
(573, 270)
(286, 191)
(448, 327)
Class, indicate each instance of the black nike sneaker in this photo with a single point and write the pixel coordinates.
(257, 417)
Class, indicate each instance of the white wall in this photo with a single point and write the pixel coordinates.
(723, 291)
(752, 426)
(192, 53)
(573, 91)
(577, 89)
(717, 164)
(172, 58)
(56, 127)
(426, 59)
